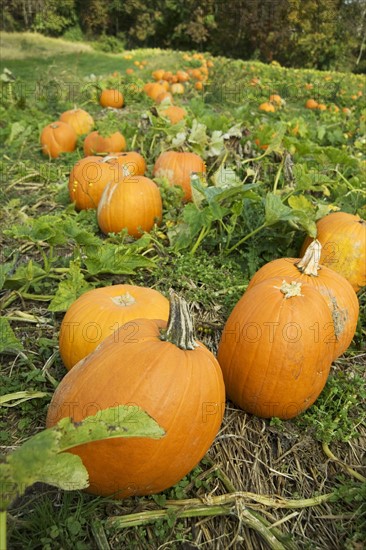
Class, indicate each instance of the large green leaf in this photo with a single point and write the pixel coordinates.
(39, 458)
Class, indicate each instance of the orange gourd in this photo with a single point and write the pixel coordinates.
(133, 203)
(174, 114)
(58, 137)
(343, 238)
(98, 313)
(174, 378)
(276, 348)
(178, 167)
(80, 120)
(96, 143)
(338, 293)
(111, 98)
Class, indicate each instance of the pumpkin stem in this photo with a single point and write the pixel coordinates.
(180, 325)
(309, 263)
(290, 289)
(124, 300)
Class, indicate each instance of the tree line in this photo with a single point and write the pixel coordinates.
(323, 34)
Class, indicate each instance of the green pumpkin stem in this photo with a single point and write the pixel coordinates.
(180, 325)
(309, 263)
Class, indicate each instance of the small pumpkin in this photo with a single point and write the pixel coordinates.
(177, 88)
(338, 293)
(111, 98)
(267, 107)
(178, 167)
(96, 143)
(164, 97)
(166, 372)
(174, 113)
(132, 161)
(277, 99)
(183, 76)
(58, 137)
(274, 352)
(133, 203)
(80, 120)
(154, 89)
(343, 238)
(158, 74)
(98, 313)
(311, 104)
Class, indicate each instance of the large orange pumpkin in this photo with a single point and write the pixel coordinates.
(174, 378)
(178, 167)
(96, 143)
(277, 348)
(133, 203)
(88, 178)
(79, 119)
(58, 137)
(337, 291)
(98, 313)
(343, 238)
(111, 98)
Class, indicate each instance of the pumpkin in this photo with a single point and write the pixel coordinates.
(158, 74)
(111, 98)
(267, 107)
(338, 293)
(177, 88)
(98, 313)
(88, 178)
(154, 89)
(58, 137)
(166, 372)
(78, 119)
(183, 76)
(321, 107)
(96, 143)
(133, 203)
(165, 97)
(174, 114)
(276, 348)
(311, 104)
(198, 85)
(277, 99)
(131, 161)
(343, 238)
(177, 167)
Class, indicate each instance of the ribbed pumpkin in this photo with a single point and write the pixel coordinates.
(154, 89)
(98, 313)
(88, 178)
(111, 98)
(175, 379)
(337, 291)
(78, 119)
(133, 203)
(58, 137)
(276, 348)
(178, 167)
(343, 238)
(96, 143)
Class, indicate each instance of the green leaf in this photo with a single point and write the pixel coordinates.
(8, 341)
(275, 210)
(14, 399)
(43, 457)
(25, 275)
(117, 259)
(4, 270)
(69, 289)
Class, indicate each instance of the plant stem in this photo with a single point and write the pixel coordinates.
(247, 237)
(350, 470)
(204, 231)
(3, 545)
(277, 178)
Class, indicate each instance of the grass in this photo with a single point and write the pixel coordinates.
(292, 459)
